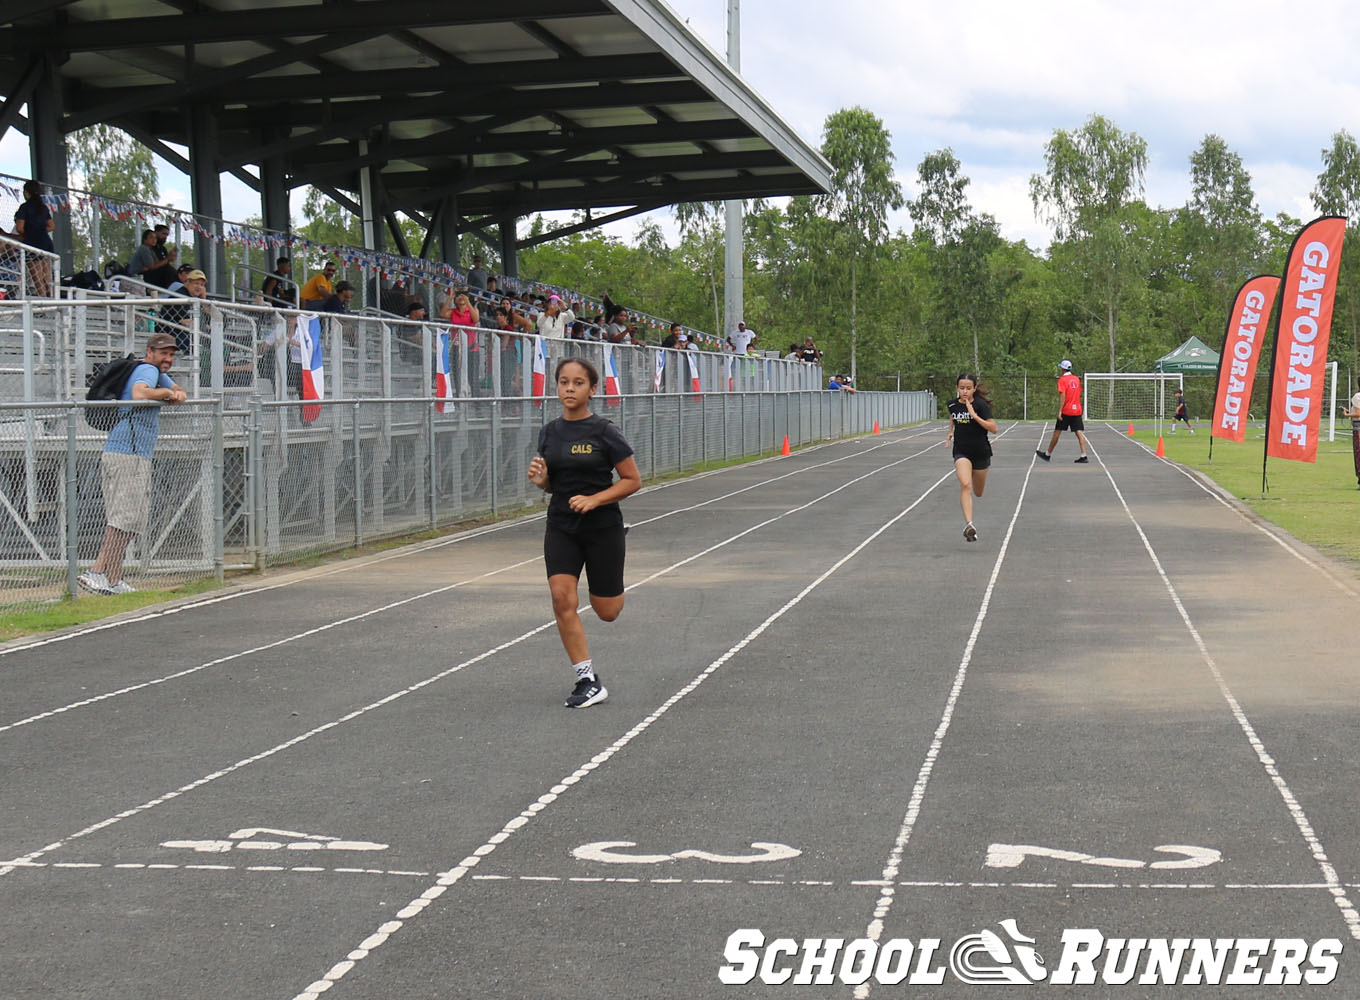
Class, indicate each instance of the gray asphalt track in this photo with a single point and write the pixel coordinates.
(829, 717)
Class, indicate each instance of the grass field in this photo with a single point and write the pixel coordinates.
(1318, 504)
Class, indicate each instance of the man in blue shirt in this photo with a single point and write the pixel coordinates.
(125, 466)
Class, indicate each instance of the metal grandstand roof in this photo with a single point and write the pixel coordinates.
(510, 106)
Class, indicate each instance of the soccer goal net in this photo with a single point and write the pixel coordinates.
(1131, 395)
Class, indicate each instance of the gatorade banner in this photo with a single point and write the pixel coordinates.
(443, 385)
(313, 369)
(611, 377)
(1303, 329)
(660, 371)
(540, 383)
(1241, 351)
(693, 372)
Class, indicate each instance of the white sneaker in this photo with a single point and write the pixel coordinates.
(122, 587)
(96, 583)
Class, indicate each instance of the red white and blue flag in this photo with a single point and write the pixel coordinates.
(693, 372)
(313, 368)
(611, 377)
(660, 371)
(443, 383)
(540, 384)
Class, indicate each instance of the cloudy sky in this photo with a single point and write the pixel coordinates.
(993, 79)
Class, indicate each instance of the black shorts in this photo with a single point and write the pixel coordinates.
(1070, 422)
(1182, 416)
(980, 461)
(600, 552)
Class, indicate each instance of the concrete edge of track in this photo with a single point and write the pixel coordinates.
(267, 579)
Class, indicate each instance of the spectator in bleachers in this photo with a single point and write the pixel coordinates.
(177, 286)
(671, 338)
(175, 316)
(518, 320)
(740, 339)
(809, 351)
(492, 287)
(463, 312)
(394, 300)
(511, 348)
(411, 339)
(146, 265)
(276, 288)
(268, 364)
(795, 353)
(477, 276)
(555, 319)
(339, 301)
(318, 287)
(33, 226)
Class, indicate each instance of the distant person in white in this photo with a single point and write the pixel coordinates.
(741, 338)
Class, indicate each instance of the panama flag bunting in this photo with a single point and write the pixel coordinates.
(660, 371)
(540, 383)
(731, 367)
(443, 384)
(611, 377)
(313, 369)
(693, 372)
(1303, 328)
(1241, 351)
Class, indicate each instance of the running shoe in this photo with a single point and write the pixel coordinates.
(1079, 461)
(588, 691)
(96, 583)
(969, 532)
(1042, 454)
(122, 587)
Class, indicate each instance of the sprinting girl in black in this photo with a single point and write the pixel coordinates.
(578, 454)
(970, 420)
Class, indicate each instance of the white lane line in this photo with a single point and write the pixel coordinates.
(918, 792)
(177, 675)
(455, 874)
(1305, 828)
(303, 737)
(1270, 531)
(133, 866)
(414, 549)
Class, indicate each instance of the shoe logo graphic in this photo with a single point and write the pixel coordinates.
(986, 958)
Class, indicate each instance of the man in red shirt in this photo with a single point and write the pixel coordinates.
(1069, 417)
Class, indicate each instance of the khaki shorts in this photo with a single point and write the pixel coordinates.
(126, 481)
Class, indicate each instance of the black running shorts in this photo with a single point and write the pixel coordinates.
(979, 461)
(600, 552)
(1070, 422)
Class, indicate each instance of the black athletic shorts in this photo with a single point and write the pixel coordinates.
(1070, 422)
(600, 552)
(980, 461)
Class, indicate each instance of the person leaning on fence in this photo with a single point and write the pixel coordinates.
(1069, 413)
(125, 466)
(33, 225)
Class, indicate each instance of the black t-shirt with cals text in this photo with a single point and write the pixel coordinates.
(970, 437)
(581, 456)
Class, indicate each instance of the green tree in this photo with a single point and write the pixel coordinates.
(1094, 177)
(863, 191)
(107, 161)
(1338, 193)
(1222, 233)
(701, 232)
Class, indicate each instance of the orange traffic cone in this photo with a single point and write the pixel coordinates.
(876, 430)
(1161, 449)
(1130, 428)
(785, 450)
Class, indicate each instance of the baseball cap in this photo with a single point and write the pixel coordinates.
(195, 275)
(158, 341)
(681, 336)
(1065, 365)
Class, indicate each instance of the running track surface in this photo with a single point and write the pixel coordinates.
(360, 780)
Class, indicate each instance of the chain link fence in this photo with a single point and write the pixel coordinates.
(280, 481)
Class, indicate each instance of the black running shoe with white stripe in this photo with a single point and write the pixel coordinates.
(588, 691)
(969, 532)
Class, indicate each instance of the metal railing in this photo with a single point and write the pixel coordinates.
(21, 266)
(278, 481)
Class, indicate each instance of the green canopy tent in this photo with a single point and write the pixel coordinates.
(1194, 357)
